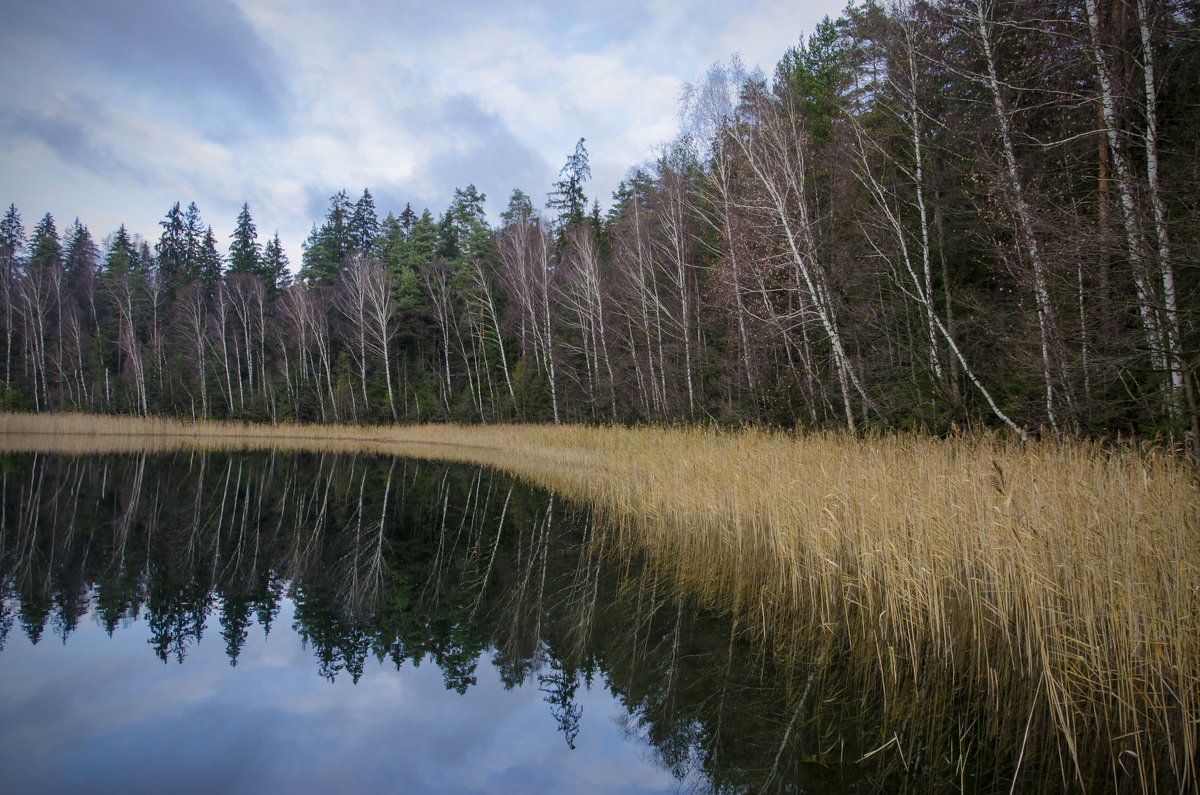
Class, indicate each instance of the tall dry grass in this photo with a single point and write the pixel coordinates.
(1072, 566)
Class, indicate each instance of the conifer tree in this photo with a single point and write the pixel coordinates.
(364, 223)
(46, 250)
(81, 257)
(209, 262)
(119, 258)
(172, 250)
(245, 251)
(327, 247)
(12, 246)
(193, 231)
(274, 268)
(568, 197)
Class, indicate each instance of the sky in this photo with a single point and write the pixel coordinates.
(113, 111)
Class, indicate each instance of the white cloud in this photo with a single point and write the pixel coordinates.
(410, 100)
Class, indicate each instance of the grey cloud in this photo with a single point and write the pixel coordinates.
(477, 148)
(67, 133)
(486, 153)
(202, 59)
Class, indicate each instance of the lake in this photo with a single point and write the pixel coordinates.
(306, 622)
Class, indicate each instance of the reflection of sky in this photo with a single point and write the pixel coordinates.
(104, 714)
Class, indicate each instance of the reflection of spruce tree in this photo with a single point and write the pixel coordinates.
(395, 623)
(560, 685)
(176, 612)
(7, 616)
(339, 642)
(456, 646)
(35, 610)
(266, 600)
(235, 618)
(71, 603)
(119, 593)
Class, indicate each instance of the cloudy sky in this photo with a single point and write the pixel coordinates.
(112, 111)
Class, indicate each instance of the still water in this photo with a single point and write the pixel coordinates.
(320, 622)
(306, 622)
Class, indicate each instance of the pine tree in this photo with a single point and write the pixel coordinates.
(244, 251)
(814, 75)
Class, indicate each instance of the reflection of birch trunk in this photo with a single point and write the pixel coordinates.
(377, 558)
(544, 551)
(585, 588)
(433, 581)
(28, 519)
(799, 712)
(196, 503)
(126, 521)
(492, 560)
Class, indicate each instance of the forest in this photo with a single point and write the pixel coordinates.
(930, 215)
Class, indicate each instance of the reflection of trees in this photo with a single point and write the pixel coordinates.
(408, 561)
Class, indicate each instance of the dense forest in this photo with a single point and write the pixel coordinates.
(929, 214)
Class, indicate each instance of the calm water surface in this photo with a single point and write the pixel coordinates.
(284, 622)
(306, 622)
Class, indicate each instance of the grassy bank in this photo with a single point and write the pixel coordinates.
(1063, 568)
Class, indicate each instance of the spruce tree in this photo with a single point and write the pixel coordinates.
(568, 197)
(274, 268)
(327, 247)
(119, 260)
(12, 245)
(364, 223)
(244, 251)
(471, 232)
(46, 250)
(12, 237)
(208, 265)
(172, 249)
(193, 235)
(81, 258)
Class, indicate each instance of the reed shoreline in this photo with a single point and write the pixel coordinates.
(1066, 568)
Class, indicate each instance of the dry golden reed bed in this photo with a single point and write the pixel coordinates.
(1074, 567)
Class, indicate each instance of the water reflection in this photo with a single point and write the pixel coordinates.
(382, 562)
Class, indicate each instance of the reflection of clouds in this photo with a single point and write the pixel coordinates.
(273, 724)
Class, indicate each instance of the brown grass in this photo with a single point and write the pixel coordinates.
(1074, 565)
